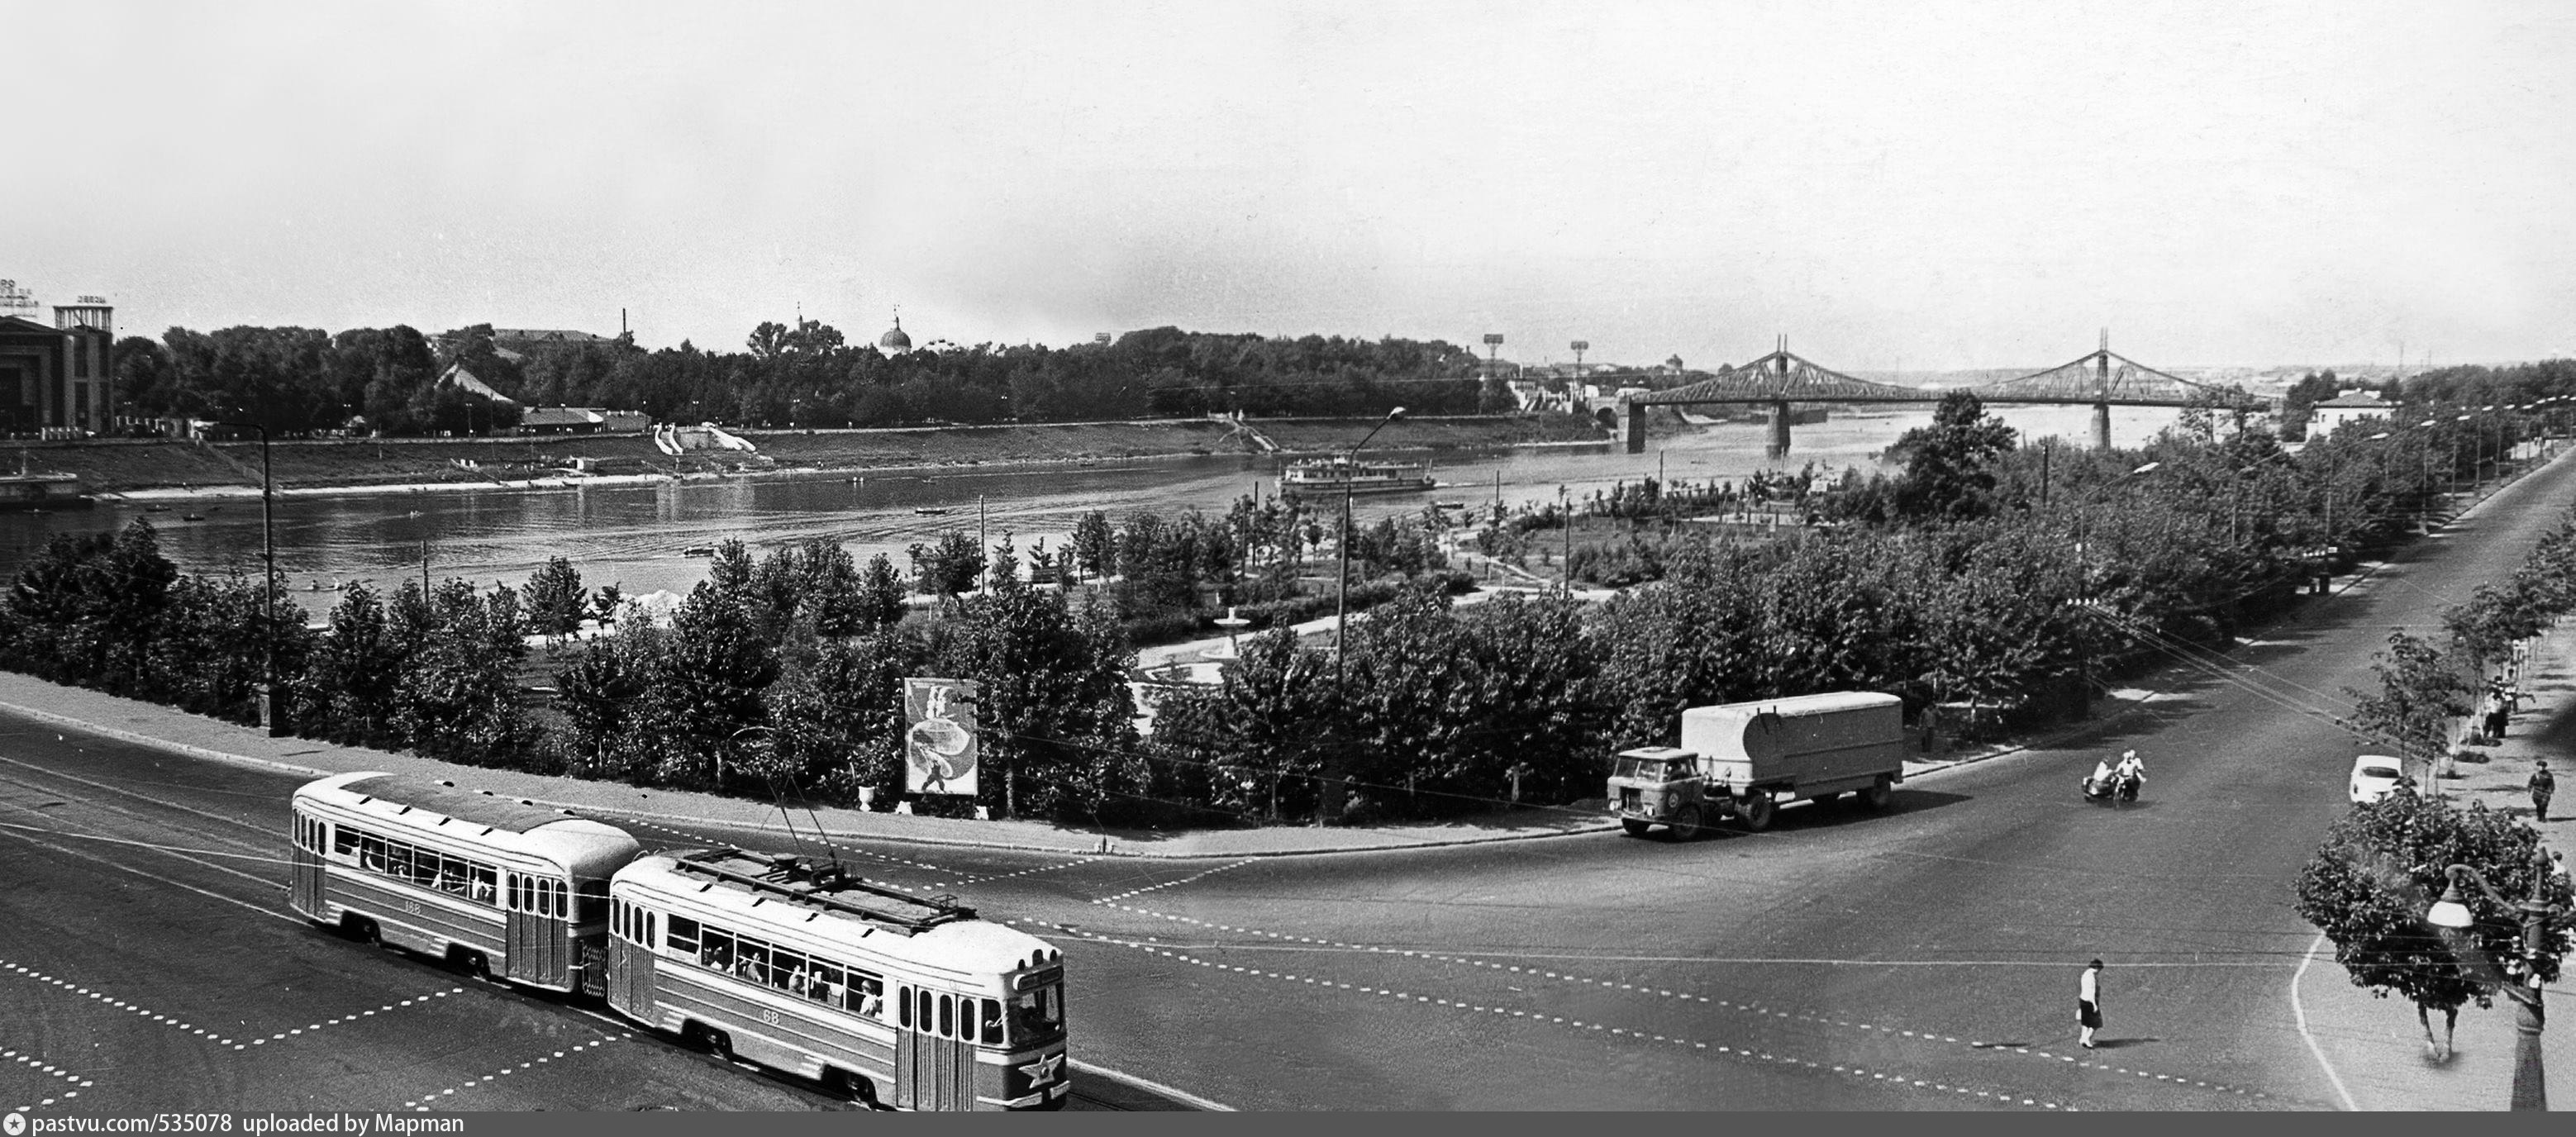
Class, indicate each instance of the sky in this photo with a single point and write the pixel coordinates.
(1893, 186)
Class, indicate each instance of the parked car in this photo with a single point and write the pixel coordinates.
(2373, 775)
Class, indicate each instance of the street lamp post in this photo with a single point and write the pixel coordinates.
(2452, 915)
(269, 718)
(1342, 587)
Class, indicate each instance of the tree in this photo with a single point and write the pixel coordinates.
(831, 589)
(2420, 692)
(2381, 868)
(1947, 470)
(555, 598)
(881, 593)
(1095, 544)
(350, 686)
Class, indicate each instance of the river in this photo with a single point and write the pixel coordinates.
(637, 536)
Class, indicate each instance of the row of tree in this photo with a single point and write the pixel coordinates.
(2380, 869)
(804, 375)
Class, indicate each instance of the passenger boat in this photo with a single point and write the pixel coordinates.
(1321, 477)
(930, 510)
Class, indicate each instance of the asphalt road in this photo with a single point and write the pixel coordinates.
(1922, 959)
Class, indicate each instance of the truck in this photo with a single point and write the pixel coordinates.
(1746, 760)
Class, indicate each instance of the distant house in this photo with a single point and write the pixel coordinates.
(583, 420)
(57, 380)
(2349, 407)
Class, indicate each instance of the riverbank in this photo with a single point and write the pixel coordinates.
(144, 469)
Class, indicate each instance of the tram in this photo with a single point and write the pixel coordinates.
(791, 964)
(501, 887)
(892, 998)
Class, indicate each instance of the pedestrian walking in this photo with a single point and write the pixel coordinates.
(2088, 1002)
(2543, 785)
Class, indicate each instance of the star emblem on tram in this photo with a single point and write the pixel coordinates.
(1043, 1070)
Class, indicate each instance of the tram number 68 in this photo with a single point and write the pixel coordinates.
(770, 1017)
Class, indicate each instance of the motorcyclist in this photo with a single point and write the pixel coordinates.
(2100, 782)
(2131, 767)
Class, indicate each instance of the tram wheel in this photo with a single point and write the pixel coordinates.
(720, 1044)
(360, 929)
(852, 1087)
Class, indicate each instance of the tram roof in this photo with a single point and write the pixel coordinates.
(932, 931)
(417, 803)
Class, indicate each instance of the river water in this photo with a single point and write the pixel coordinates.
(636, 536)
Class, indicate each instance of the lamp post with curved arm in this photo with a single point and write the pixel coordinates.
(270, 719)
(2453, 917)
(1342, 589)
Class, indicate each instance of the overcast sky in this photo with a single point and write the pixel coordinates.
(1914, 185)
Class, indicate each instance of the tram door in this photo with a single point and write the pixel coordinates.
(630, 961)
(306, 866)
(536, 935)
(934, 1067)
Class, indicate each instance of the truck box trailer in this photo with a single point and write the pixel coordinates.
(1745, 760)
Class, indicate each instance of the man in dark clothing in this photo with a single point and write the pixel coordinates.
(2542, 786)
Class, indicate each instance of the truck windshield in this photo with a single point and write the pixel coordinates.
(1642, 769)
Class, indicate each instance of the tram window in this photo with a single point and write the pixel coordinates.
(372, 851)
(1036, 1014)
(827, 985)
(751, 960)
(345, 842)
(483, 878)
(683, 940)
(992, 1021)
(787, 972)
(719, 950)
(867, 995)
(903, 1007)
(398, 860)
(947, 1016)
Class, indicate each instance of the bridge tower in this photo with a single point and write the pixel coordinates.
(1779, 445)
(2102, 384)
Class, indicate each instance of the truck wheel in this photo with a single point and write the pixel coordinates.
(1686, 823)
(1758, 808)
(1632, 826)
(1880, 793)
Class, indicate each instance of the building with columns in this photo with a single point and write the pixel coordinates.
(61, 379)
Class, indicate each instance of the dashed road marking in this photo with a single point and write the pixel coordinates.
(424, 1101)
(1738, 1053)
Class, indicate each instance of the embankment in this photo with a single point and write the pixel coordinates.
(121, 466)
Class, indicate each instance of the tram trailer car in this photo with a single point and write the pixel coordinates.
(794, 965)
(1745, 760)
(499, 886)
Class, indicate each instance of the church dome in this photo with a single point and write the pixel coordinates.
(894, 339)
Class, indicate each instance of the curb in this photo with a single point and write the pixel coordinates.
(165, 744)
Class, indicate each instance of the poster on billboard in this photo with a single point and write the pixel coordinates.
(939, 736)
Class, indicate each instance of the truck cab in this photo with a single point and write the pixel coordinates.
(1663, 785)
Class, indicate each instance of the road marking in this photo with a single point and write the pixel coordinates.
(2305, 1036)
(421, 1103)
(1569, 977)
(1420, 1000)
(1184, 1097)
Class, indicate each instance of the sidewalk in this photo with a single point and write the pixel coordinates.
(2373, 1046)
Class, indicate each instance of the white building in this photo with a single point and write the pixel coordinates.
(2351, 406)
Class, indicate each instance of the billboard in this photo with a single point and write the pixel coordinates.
(939, 736)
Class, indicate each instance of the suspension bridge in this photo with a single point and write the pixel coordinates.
(2101, 378)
